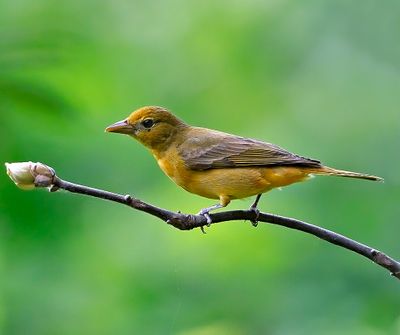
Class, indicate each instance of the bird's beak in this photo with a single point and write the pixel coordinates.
(122, 127)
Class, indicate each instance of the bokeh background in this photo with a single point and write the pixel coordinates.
(320, 78)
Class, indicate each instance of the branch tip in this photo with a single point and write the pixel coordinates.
(28, 175)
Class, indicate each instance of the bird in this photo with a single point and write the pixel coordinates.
(219, 165)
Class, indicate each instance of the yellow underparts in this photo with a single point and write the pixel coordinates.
(231, 183)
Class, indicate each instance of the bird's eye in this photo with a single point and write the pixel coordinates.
(148, 123)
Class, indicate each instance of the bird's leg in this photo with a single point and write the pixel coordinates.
(254, 208)
(255, 203)
(223, 202)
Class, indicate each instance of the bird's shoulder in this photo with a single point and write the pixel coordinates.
(200, 137)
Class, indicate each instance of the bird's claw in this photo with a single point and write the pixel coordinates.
(254, 221)
(209, 221)
(206, 214)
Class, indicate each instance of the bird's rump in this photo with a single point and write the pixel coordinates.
(202, 152)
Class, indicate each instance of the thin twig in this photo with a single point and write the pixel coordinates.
(187, 222)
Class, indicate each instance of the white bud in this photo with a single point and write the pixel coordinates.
(28, 175)
(21, 175)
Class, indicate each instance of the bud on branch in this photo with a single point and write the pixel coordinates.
(28, 175)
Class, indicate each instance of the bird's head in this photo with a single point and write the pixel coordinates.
(153, 126)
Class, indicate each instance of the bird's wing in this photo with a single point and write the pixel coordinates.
(213, 150)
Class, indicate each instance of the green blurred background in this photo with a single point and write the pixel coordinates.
(320, 78)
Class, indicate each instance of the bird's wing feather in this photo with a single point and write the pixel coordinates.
(204, 151)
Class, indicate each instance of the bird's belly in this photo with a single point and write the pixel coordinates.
(235, 183)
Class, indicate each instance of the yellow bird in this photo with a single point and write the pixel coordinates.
(218, 165)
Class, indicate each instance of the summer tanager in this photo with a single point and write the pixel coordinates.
(218, 165)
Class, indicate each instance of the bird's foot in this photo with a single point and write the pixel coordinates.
(205, 212)
(254, 209)
(254, 221)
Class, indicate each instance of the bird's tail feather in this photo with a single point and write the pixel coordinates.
(325, 170)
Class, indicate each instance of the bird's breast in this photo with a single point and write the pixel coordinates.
(169, 168)
(173, 166)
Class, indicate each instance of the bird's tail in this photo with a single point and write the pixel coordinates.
(325, 170)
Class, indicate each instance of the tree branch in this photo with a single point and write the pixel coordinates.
(187, 222)
(28, 175)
